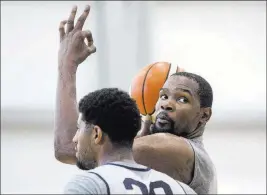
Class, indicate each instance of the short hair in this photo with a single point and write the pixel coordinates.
(204, 89)
(114, 111)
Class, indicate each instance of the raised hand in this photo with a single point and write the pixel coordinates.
(73, 49)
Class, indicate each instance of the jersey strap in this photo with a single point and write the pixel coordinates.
(130, 168)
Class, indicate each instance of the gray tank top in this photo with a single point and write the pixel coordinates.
(205, 178)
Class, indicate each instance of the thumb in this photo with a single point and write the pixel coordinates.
(145, 128)
(147, 120)
(180, 69)
(89, 50)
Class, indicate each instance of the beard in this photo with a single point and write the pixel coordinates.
(86, 165)
(163, 127)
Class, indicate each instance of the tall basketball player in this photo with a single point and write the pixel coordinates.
(108, 123)
(175, 146)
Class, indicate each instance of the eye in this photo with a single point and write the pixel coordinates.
(163, 97)
(182, 100)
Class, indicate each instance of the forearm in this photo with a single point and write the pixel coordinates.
(66, 114)
(73, 51)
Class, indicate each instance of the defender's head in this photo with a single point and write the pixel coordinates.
(107, 116)
(184, 105)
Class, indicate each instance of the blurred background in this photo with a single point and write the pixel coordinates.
(225, 42)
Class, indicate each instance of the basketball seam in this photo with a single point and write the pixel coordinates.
(153, 111)
(143, 88)
(164, 82)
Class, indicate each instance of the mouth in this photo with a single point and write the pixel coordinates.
(163, 124)
(163, 121)
(163, 117)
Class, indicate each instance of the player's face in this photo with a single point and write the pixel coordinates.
(178, 108)
(84, 145)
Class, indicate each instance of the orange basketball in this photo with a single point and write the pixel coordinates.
(147, 83)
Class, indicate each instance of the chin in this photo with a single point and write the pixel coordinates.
(157, 129)
(86, 165)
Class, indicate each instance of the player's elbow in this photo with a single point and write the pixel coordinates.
(58, 156)
(66, 156)
(64, 148)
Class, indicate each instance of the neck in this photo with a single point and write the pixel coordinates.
(198, 132)
(111, 154)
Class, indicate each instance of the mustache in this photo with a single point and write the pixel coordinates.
(165, 116)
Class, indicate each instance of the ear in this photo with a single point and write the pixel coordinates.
(98, 134)
(206, 114)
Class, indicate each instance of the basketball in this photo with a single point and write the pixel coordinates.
(145, 86)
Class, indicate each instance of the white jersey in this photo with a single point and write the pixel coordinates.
(125, 178)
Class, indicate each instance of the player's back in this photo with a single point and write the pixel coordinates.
(125, 178)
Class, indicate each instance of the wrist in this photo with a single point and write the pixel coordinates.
(67, 66)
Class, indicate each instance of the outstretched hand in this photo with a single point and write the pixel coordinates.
(73, 49)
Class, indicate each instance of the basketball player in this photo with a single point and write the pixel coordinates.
(175, 146)
(108, 123)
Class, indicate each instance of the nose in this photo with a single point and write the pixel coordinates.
(167, 105)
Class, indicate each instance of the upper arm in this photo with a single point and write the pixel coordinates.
(166, 153)
(85, 184)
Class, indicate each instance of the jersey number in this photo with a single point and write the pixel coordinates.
(129, 183)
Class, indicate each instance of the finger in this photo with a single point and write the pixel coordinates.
(62, 29)
(89, 50)
(92, 49)
(82, 18)
(70, 25)
(90, 40)
(89, 37)
(180, 69)
(87, 34)
(145, 128)
(147, 120)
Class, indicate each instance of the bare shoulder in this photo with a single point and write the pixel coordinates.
(166, 153)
